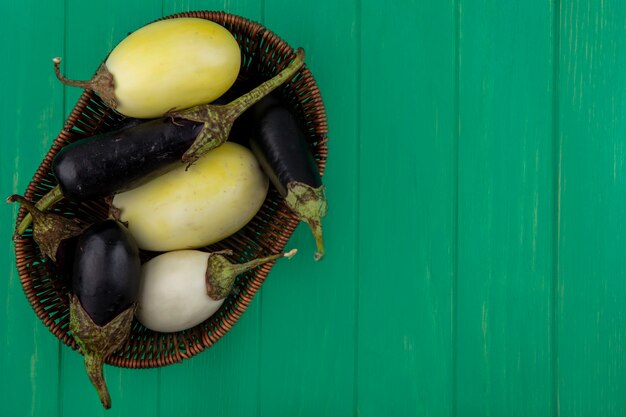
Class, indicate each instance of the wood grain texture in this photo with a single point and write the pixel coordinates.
(592, 193)
(407, 190)
(308, 308)
(506, 209)
(30, 116)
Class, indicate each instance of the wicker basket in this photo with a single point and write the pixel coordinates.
(264, 54)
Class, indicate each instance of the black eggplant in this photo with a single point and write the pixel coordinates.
(55, 235)
(105, 286)
(113, 162)
(284, 154)
(128, 122)
(88, 169)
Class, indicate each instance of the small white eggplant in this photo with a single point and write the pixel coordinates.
(198, 206)
(173, 63)
(181, 289)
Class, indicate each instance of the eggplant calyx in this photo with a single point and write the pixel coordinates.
(49, 229)
(52, 197)
(115, 212)
(98, 342)
(310, 205)
(217, 122)
(102, 82)
(218, 119)
(221, 273)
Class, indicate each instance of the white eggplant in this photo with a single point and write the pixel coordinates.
(194, 207)
(173, 63)
(181, 289)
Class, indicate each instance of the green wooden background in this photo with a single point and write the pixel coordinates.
(477, 225)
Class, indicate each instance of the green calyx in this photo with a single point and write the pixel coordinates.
(221, 273)
(310, 205)
(98, 342)
(219, 119)
(48, 229)
(52, 197)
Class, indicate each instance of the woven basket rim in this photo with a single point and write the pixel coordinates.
(24, 246)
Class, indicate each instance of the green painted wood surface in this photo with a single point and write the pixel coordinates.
(591, 290)
(406, 210)
(505, 209)
(476, 232)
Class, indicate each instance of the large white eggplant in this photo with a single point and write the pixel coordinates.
(170, 64)
(191, 207)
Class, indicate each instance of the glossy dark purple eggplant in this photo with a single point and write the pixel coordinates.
(113, 162)
(280, 145)
(280, 141)
(105, 285)
(106, 271)
(129, 122)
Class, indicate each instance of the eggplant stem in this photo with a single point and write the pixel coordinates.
(49, 229)
(94, 366)
(241, 268)
(51, 198)
(221, 274)
(33, 210)
(73, 83)
(218, 119)
(316, 229)
(102, 82)
(96, 342)
(244, 102)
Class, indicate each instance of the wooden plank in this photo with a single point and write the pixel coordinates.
(506, 209)
(407, 194)
(250, 9)
(92, 30)
(592, 194)
(308, 308)
(31, 115)
(223, 379)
